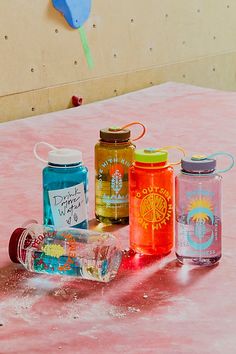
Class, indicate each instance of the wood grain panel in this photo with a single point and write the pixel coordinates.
(41, 54)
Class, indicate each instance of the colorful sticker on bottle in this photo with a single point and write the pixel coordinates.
(200, 230)
(63, 254)
(112, 182)
(155, 208)
(68, 206)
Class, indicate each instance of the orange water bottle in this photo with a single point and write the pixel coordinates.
(151, 202)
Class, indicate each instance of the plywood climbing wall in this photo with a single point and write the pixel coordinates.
(134, 44)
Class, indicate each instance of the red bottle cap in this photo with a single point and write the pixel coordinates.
(13, 244)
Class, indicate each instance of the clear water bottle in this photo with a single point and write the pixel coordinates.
(65, 188)
(198, 210)
(75, 252)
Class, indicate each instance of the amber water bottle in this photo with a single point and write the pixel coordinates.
(114, 154)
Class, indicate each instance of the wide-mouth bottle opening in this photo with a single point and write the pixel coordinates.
(72, 165)
(153, 165)
(115, 141)
(197, 172)
(24, 242)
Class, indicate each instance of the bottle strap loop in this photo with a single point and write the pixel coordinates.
(36, 148)
(174, 147)
(222, 153)
(135, 123)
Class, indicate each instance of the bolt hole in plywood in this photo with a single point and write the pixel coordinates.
(6, 38)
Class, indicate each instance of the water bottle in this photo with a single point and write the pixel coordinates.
(75, 252)
(65, 188)
(151, 202)
(198, 210)
(113, 156)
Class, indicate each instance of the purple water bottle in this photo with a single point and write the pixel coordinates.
(198, 210)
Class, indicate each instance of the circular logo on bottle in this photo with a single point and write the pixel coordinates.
(153, 207)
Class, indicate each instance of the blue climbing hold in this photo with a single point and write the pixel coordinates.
(76, 12)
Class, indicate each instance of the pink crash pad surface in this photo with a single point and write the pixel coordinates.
(153, 306)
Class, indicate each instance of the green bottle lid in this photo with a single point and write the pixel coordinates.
(150, 155)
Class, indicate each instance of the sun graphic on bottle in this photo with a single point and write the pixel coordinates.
(200, 212)
(53, 250)
(200, 209)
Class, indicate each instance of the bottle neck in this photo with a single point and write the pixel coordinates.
(24, 241)
(156, 165)
(115, 142)
(72, 165)
(198, 173)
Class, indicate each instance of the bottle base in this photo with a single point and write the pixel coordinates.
(198, 261)
(107, 220)
(148, 250)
